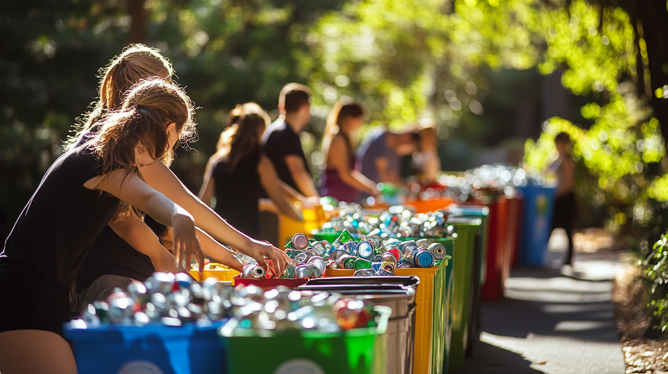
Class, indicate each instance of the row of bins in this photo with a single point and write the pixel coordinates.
(432, 313)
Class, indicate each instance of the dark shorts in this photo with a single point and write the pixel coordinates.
(30, 300)
(565, 211)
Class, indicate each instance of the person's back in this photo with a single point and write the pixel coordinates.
(280, 141)
(373, 148)
(237, 190)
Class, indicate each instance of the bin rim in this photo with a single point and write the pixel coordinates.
(233, 332)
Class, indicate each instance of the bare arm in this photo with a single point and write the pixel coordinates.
(339, 159)
(217, 252)
(567, 178)
(133, 191)
(301, 177)
(159, 176)
(208, 186)
(141, 237)
(269, 180)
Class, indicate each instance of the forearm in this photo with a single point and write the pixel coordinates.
(357, 181)
(217, 252)
(305, 183)
(163, 180)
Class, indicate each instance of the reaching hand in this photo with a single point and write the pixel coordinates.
(264, 253)
(186, 243)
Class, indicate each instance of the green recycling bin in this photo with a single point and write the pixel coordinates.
(465, 283)
(356, 351)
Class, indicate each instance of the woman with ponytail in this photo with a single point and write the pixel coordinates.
(238, 170)
(89, 187)
(114, 261)
(341, 179)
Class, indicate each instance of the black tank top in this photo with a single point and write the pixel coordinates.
(62, 219)
(237, 193)
(112, 255)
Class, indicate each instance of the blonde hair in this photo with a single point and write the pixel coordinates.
(340, 112)
(243, 136)
(136, 62)
(149, 107)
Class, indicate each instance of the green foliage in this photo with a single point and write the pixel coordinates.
(656, 272)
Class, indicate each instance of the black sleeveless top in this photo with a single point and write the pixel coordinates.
(237, 193)
(110, 254)
(62, 219)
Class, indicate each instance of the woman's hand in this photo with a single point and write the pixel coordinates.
(269, 256)
(186, 243)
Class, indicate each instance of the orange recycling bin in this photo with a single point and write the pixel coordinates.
(426, 206)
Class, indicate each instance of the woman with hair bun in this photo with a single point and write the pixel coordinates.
(87, 188)
(341, 179)
(114, 261)
(239, 169)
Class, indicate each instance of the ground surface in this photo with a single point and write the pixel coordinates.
(555, 319)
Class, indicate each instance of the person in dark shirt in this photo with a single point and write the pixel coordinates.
(342, 179)
(113, 262)
(139, 62)
(238, 171)
(281, 139)
(87, 188)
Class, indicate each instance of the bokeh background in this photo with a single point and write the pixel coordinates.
(498, 78)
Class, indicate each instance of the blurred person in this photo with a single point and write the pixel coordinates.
(282, 145)
(281, 139)
(565, 208)
(342, 180)
(380, 154)
(89, 187)
(239, 170)
(426, 158)
(113, 255)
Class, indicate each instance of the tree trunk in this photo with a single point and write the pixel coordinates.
(138, 23)
(653, 18)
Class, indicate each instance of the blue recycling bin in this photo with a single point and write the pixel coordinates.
(536, 224)
(154, 348)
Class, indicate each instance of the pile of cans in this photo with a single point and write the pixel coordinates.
(374, 256)
(281, 309)
(397, 222)
(307, 260)
(166, 298)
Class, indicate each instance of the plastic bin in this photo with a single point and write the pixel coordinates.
(156, 348)
(223, 275)
(356, 351)
(288, 227)
(536, 225)
(426, 206)
(269, 283)
(397, 293)
(465, 291)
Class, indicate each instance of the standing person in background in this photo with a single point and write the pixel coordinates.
(381, 151)
(282, 145)
(342, 180)
(238, 171)
(565, 208)
(281, 139)
(426, 159)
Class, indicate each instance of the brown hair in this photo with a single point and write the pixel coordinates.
(293, 96)
(136, 62)
(149, 107)
(244, 136)
(562, 137)
(336, 117)
(231, 119)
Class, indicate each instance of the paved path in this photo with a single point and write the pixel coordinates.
(552, 320)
